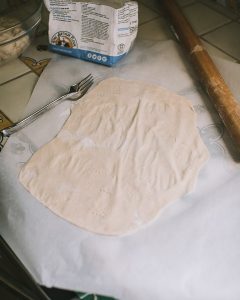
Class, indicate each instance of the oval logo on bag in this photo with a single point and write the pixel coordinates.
(64, 39)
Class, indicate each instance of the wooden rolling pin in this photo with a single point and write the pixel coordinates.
(222, 98)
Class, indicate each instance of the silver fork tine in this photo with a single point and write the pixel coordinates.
(82, 86)
(83, 91)
(84, 80)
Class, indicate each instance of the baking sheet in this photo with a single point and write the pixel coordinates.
(191, 252)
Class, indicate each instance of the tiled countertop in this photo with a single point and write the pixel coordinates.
(219, 31)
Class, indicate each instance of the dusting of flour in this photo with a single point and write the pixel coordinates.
(127, 150)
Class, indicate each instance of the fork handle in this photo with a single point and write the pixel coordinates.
(23, 123)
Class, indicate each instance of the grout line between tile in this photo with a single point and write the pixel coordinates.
(187, 5)
(219, 10)
(12, 79)
(237, 60)
(153, 9)
(218, 27)
(144, 23)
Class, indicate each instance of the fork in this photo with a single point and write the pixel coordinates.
(76, 91)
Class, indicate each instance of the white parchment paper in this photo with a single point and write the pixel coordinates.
(191, 252)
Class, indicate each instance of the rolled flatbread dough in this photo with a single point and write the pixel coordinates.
(127, 150)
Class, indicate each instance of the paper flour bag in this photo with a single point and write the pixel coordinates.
(99, 31)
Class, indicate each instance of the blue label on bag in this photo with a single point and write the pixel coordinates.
(87, 55)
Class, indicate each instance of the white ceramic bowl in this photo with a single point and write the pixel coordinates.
(19, 20)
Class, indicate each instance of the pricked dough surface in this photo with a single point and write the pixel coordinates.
(127, 150)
